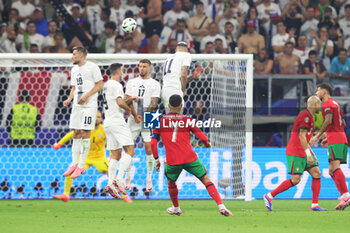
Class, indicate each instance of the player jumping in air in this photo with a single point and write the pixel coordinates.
(334, 125)
(300, 157)
(117, 131)
(180, 155)
(86, 81)
(147, 92)
(175, 73)
(96, 156)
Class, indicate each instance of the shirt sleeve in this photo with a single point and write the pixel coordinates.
(304, 121)
(199, 134)
(97, 76)
(128, 89)
(117, 91)
(326, 109)
(156, 91)
(72, 80)
(187, 59)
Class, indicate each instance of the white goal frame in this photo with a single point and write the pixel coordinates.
(65, 60)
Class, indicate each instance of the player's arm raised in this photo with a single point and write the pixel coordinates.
(70, 97)
(98, 86)
(327, 122)
(202, 137)
(154, 147)
(305, 145)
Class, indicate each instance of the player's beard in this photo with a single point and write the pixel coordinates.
(75, 62)
(143, 75)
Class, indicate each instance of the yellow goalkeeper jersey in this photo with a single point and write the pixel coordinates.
(97, 142)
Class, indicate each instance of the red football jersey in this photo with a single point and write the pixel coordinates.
(175, 133)
(303, 121)
(335, 132)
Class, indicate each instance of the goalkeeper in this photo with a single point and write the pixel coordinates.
(96, 156)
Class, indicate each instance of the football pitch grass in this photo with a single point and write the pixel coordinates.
(85, 216)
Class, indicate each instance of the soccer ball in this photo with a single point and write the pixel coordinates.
(129, 25)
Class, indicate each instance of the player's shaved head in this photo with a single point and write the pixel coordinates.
(175, 101)
(314, 104)
(181, 47)
(312, 100)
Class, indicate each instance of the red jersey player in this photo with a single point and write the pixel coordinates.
(300, 157)
(175, 134)
(334, 125)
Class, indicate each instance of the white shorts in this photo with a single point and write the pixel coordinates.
(83, 118)
(137, 129)
(167, 92)
(118, 136)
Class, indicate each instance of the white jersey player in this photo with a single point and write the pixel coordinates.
(117, 131)
(86, 81)
(175, 73)
(147, 92)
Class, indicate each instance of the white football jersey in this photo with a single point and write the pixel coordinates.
(84, 79)
(145, 89)
(114, 115)
(172, 69)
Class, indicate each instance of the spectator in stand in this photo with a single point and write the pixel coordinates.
(230, 38)
(310, 23)
(347, 45)
(323, 46)
(75, 42)
(228, 16)
(189, 7)
(131, 6)
(60, 44)
(263, 64)
(253, 16)
(213, 35)
(216, 8)
(292, 18)
(171, 17)
(104, 18)
(9, 43)
(340, 69)
(69, 34)
(240, 8)
(49, 40)
(117, 13)
(29, 37)
(251, 42)
(118, 44)
(218, 47)
(198, 25)
(152, 16)
(22, 122)
(171, 46)
(25, 9)
(92, 12)
(327, 20)
(302, 50)
(41, 24)
(279, 40)
(313, 66)
(321, 9)
(209, 48)
(180, 33)
(342, 8)
(128, 46)
(34, 48)
(48, 11)
(13, 21)
(265, 9)
(345, 22)
(336, 36)
(288, 63)
(108, 40)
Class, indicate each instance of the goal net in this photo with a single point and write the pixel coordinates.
(33, 168)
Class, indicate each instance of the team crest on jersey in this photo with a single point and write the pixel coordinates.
(307, 120)
(297, 169)
(151, 120)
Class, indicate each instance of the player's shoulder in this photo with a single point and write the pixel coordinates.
(304, 116)
(153, 81)
(91, 64)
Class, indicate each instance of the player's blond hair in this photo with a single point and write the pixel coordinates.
(312, 100)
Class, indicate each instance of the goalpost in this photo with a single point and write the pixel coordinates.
(223, 92)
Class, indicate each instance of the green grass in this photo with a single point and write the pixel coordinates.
(85, 216)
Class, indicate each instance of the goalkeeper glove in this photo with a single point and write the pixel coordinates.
(57, 145)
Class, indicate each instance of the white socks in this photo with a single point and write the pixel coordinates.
(270, 196)
(221, 206)
(112, 170)
(76, 148)
(128, 172)
(345, 195)
(85, 142)
(125, 162)
(149, 165)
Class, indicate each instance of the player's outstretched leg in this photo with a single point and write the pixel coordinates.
(173, 192)
(85, 148)
(213, 192)
(315, 187)
(112, 170)
(285, 185)
(76, 148)
(125, 162)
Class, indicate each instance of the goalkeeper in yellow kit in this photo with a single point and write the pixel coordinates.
(96, 156)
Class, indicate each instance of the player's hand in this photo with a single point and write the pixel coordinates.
(57, 145)
(135, 98)
(83, 99)
(310, 161)
(313, 141)
(138, 118)
(66, 103)
(324, 142)
(157, 165)
(197, 72)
